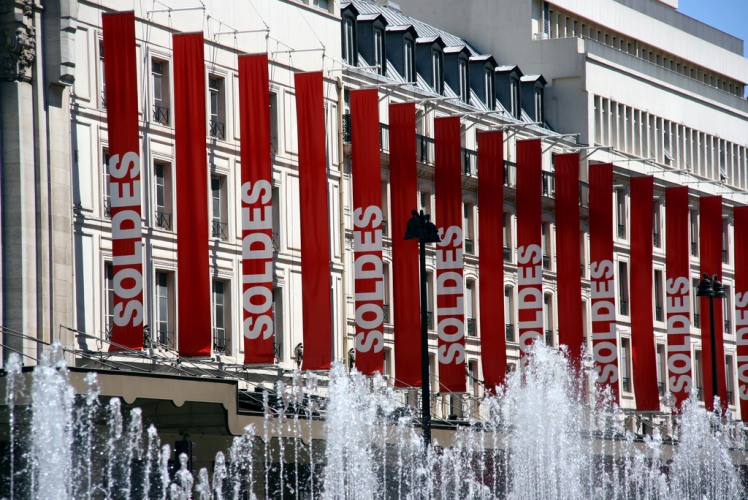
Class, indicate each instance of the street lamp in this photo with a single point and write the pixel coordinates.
(422, 229)
(712, 289)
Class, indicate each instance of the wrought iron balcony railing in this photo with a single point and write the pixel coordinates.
(219, 230)
(161, 114)
(471, 327)
(217, 129)
(163, 219)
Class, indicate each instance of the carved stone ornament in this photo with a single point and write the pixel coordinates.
(20, 45)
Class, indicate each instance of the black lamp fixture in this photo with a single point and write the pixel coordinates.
(712, 288)
(422, 229)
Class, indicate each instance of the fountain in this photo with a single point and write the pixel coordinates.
(536, 439)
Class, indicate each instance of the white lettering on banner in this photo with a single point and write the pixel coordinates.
(369, 278)
(741, 324)
(127, 262)
(604, 340)
(450, 308)
(679, 335)
(530, 297)
(257, 253)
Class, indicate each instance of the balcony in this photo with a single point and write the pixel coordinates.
(219, 229)
(510, 174)
(626, 384)
(469, 161)
(386, 314)
(659, 313)
(424, 149)
(161, 114)
(163, 220)
(548, 183)
(471, 327)
(219, 340)
(656, 239)
(509, 333)
(217, 129)
(469, 246)
(623, 307)
(507, 254)
(621, 231)
(549, 338)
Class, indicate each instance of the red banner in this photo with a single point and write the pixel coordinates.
(710, 249)
(405, 282)
(529, 252)
(367, 231)
(602, 279)
(193, 272)
(568, 259)
(491, 261)
(741, 305)
(257, 210)
(450, 310)
(677, 290)
(642, 327)
(315, 233)
(120, 75)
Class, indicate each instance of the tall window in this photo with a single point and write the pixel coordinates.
(409, 66)
(278, 322)
(623, 288)
(657, 224)
(621, 212)
(467, 228)
(508, 309)
(725, 241)
(217, 123)
(507, 228)
(696, 304)
(727, 310)
(108, 298)
(698, 375)
(437, 71)
(515, 97)
(729, 380)
(545, 229)
(106, 190)
(625, 365)
(160, 91)
(661, 370)
(219, 227)
(220, 341)
(470, 303)
(163, 334)
(463, 75)
(658, 299)
(488, 77)
(694, 226)
(349, 40)
(274, 122)
(539, 104)
(102, 90)
(379, 58)
(548, 319)
(163, 195)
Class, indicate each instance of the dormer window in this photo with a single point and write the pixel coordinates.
(490, 93)
(349, 40)
(437, 68)
(462, 70)
(409, 61)
(379, 59)
(515, 97)
(532, 97)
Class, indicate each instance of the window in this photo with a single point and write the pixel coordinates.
(659, 309)
(278, 322)
(508, 309)
(430, 306)
(160, 89)
(661, 370)
(470, 304)
(217, 123)
(725, 241)
(219, 228)
(657, 224)
(379, 58)
(621, 212)
(473, 382)
(463, 76)
(545, 230)
(467, 228)
(729, 380)
(548, 319)
(387, 364)
(106, 190)
(623, 288)
(625, 365)
(387, 300)
(108, 298)
(515, 97)
(274, 122)
(322, 4)
(437, 71)
(162, 180)
(221, 343)
(696, 304)
(488, 77)
(425, 202)
(694, 226)
(727, 310)
(349, 40)
(102, 91)
(507, 228)
(539, 104)
(409, 65)
(698, 375)
(163, 333)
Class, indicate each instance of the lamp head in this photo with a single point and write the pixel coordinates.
(705, 287)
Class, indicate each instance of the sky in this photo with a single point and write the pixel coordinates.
(730, 16)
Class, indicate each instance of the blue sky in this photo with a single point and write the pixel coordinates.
(730, 16)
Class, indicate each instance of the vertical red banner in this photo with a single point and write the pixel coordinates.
(257, 210)
(529, 252)
(568, 252)
(315, 233)
(710, 249)
(193, 272)
(405, 281)
(491, 258)
(367, 231)
(741, 305)
(642, 326)
(450, 309)
(678, 289)
(124, 169)
(602, 279)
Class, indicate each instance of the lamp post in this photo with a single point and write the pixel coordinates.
(712, 289)
(422, 229)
